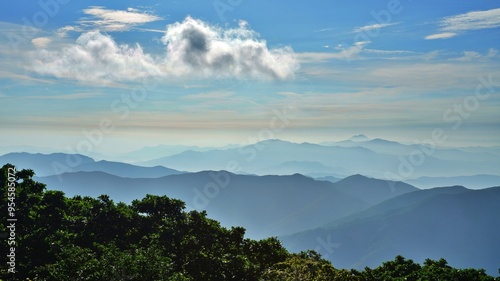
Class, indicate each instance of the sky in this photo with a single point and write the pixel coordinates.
(114, 76)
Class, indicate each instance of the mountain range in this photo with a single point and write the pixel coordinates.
(265, 205)
(375, 158)
(60, 163)
(454, 223)
(358, 202)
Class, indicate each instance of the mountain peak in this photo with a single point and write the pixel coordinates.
(359, 137)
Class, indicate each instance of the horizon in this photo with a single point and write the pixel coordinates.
(213, 75)
(92, 154)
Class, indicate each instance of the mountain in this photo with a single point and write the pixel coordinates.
(328, 178)
(303, 167)
(372, 190)
(153, 152)
(255, 159)
(454, 223)
(265, 205)
(45, 164)
(395, 148)
(472, 182)
(359, 137)
(59, 163)
(127, 170)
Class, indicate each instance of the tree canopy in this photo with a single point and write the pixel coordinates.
(155, 238)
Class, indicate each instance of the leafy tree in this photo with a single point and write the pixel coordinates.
(303, 266)
(154, 238)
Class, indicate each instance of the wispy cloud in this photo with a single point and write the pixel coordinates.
(209, 95)
(472, 21)
(102, 19)
(373, 27)
(116, 20)
(475, 56)
(22, 77)
(324, 29)
(77, 96)
(451, 26)
(388, 52)
(343, 53)
(444, 35)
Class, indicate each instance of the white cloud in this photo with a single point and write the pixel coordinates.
(475, 56)
(472, 21)
(63, 31)
(95, 57)
(193, 48)
(373, 26)
(451, 26)
(41, 42)
(444, 35)
(76, 96)
(116, 20)
(388, 52)
(343, 53)
(469, 56)
(210, 95)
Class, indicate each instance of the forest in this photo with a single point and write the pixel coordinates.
(48, 236)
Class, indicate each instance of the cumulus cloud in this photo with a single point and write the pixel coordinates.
(95, 57)
(193, 49)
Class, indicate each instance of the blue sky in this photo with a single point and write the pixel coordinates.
(115, 76)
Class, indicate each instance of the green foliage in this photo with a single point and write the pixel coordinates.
(84, 238)
(303, 266)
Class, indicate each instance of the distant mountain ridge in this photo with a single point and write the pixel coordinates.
(265, 205)
(376, 158)
(454, 223)
(59, 163)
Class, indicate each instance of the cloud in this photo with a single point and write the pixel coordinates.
(210, 95)
(388, 52)
(41, 42)
(444, 35)
(193, 49)
(472, 21)
(63, 31)
(475, 56)
(451, 26)
(343, 53)
(373, 26)
(116, 20)
(95, 57)
(76, 96)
